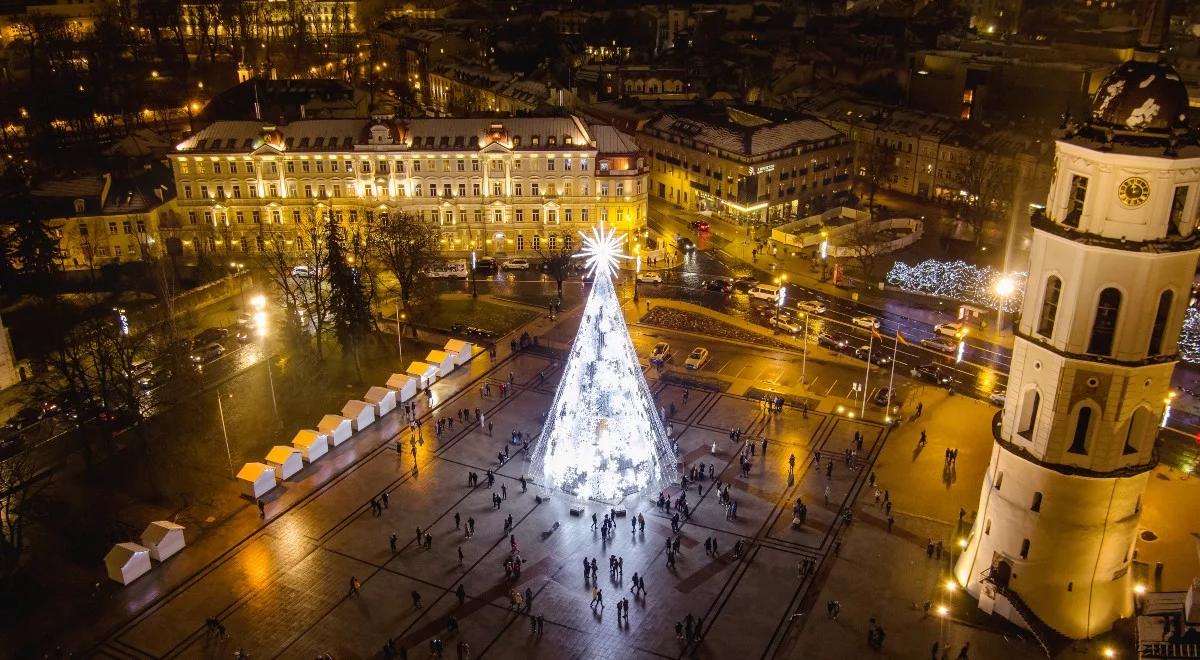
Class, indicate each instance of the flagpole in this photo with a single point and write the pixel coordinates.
(867, 374)
(892, 377)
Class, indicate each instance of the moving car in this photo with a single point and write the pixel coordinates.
(485, 265)
(940, 344)
(881, 396)
(649, 278)
(686, 244)
(210, 335)
(745, 282)
(878, 356)
(208, 353)
(998, 396)
(934, 373)
(660, 354)
(699, 225)
(516, 264)
(764, 292)
(868, 322)
(245, 320)
(785, 323)
(697, 359)
(718, 284)
(956, 330)
(811, 306)
(829, 341)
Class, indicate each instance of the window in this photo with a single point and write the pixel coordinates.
(1104, 327)
(999, 480)
(1141, 426)
(1037, 502)
(1075, 202)
(537, 242)
(1083, 424)
(1025, 549)
(537, 215)
(308, 191)
(256, 216)
(987, 526)
(518, 189)
(478, 216)
(520, 242)
(475, 190)
(1175, 222)
(533, 189)
(552, 241)
(474, 165)
(83, 230)
(273, 190)
(549, 164)
(567, 215)
(583, 215)
(240, 217)
(216, 167)
(187, 194)
(304, 166)
(191, 218)
(1045, 326)
(416, 167)
(204, 192)
(497, 216)
(433, 190)
(1159, 329)
(520, 215)
(253, 190)
(183, 167)
(290, 166)
(567, 164)
(112, 228)
(462, 190)
(497, 190)
(604, 189)
(568, 242)
(460, 165)
(583, 164)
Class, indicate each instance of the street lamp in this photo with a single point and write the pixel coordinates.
(237, 271)
(637, 273)
(474, 282)
(224, 433)
(1005, 288)
(259, 303)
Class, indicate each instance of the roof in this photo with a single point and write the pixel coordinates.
(1141, 96)
(159, 529)
(102, 194)
(749, 131)
(611, 141)
(286, 99)
(281, 454)
(253, 471)
(344, 135)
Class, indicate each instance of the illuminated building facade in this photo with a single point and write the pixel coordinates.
(496, 186)
(1110, 272)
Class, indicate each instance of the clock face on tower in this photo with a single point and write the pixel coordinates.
(1134, 191)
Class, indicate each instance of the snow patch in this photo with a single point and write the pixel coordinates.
(1146, 83)
(1144, 114)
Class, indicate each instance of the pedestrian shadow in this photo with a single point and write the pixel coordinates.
(949, 475)
(546, 534)
(917, 452)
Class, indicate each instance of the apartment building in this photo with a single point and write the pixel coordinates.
(495, 186)
(751, 164)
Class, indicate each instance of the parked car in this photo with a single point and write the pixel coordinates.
(660, 353)
(210, 335)
(785, 323)
(881, 396)
(718, 284)
(745, 283)
(998, 396)
(649, 278)
(451, 270)
(245, 320)
(25, 418)
(516, 264)
(699, 225)
(878, 357)
(829, 341)
(940, 344)
(485, 265)
(472, 332)
(764, 292)
(697, 359)
(868, 322)
(811, 306)
(155, 378)
(956, 330)
(208, 353)
(934, 373)
(244, 335)
(301, 272)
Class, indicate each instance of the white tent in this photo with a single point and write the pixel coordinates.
(461, 350)
(424, 373)
(361, 413)
(383, 399)
(286, 461)
(444, 361)
(127, 562)
(256, 479)
(163, 538)
(404, 385)
(312, 444)
(337, 428)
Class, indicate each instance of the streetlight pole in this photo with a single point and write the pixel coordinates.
(399, 331)
(474, 281)
(225, 434)
(804, 352)
(637, 274)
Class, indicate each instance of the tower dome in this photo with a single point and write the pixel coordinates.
(1143, 95)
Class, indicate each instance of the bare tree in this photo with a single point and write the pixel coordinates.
(863, 243)
(407, 247)
(300, 272)
(559, 261)
(989, 179)
(876, 167)
(21, 499)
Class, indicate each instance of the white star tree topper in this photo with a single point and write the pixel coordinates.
(602, 249)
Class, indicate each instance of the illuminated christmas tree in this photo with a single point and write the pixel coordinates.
(604, 437)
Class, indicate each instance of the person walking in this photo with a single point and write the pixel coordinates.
(355, 585)
(461, 594)
(392, 540)
(416, 599)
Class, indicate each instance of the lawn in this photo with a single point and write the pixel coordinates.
(500, 319)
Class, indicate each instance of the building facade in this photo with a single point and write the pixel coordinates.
(493, 186)
(1111, 264)
(750, 164)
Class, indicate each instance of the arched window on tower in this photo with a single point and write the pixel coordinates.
(1140, 424)
(1159, 329)
(1083, 426)
(1045, 326)
(1104, 326)
(1028, 413)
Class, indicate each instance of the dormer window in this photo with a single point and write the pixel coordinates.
(551, 140)
(79, 206)
(516, 141)
(568, 140)
(535, 141)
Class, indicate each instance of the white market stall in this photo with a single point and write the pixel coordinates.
(361, 413)
(286, 461)
(163, 538)
(257, 479)
(403, 385)
(442, 360)
(382, 398)
(424, 373)
(312, 444)
(127, 562)
(337, 428)
(461, 350)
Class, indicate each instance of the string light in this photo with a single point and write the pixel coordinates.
(601, 250)
(974, 285)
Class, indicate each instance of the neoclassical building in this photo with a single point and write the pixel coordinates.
(1111, 265)
(495, 186)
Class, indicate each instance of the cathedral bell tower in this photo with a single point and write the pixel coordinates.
(1111, 265)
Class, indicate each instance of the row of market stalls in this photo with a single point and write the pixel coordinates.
(309, 445)
(128, 561)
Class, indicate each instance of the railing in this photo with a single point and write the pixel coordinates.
(1046, 636)
(1168, 650)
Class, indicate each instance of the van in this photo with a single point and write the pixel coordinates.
(765, 292)
(451, 270)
